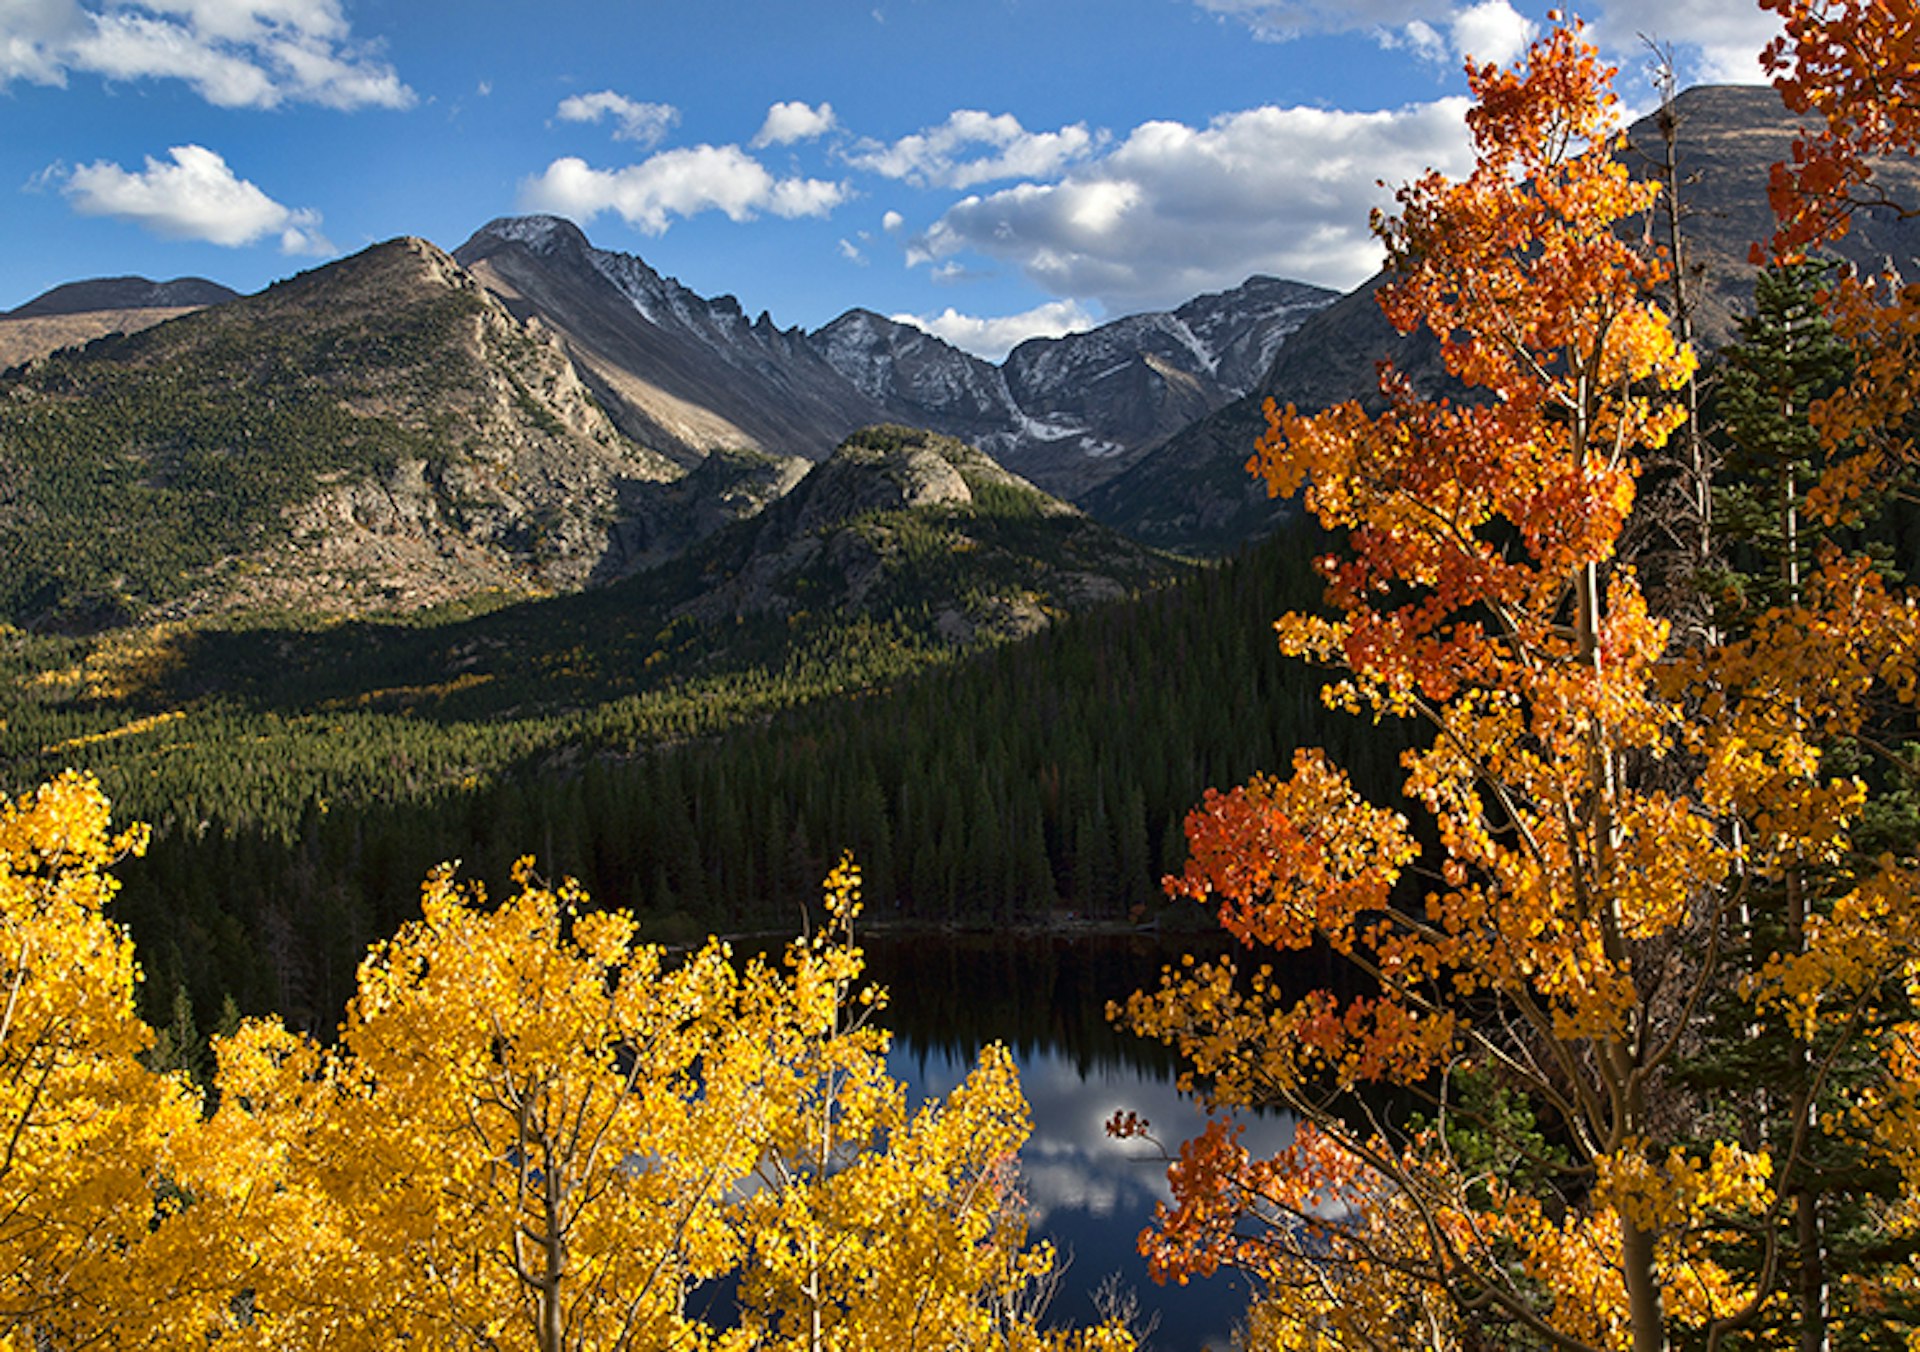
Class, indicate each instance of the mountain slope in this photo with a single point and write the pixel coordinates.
(376, 433)
(80, 312)
(1116, 391)
(123, 293)
(25, 340)
(688, 374)
(901, 552)
(676, 371)
(1192, 493)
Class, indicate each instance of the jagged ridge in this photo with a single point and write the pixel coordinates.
(687, 373)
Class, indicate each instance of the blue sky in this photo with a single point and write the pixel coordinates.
(992, 168)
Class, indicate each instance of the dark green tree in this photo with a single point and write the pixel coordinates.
(1826, 1243)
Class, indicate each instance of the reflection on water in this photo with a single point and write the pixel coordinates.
(1091, 1195)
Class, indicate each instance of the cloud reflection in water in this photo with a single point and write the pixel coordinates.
(1091, 1195)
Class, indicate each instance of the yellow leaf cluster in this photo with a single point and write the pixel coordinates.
(533, 1131)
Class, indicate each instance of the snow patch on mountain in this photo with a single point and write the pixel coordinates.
(1053, 408)
(536, 232)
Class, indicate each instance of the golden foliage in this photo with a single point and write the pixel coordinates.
(1600, 808)
(88, 1136)
(533, 1131)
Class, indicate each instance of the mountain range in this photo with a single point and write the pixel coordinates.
(406, 428)
(687, 374)
(1192, 491)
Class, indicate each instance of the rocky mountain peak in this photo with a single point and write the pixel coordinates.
(541, 234)
(375, 280)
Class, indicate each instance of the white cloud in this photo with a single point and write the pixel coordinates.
(992, 338)
(1715, 40)
(1434, 30)
(1491, 31)
(33, 33)
(954, 273)
(234, 53)
(682, 183)
(892, 222)
(852, 253)
(195, 196)
(1425, 40)
(248, 20)
(938, 155)
(793, 121)
(645, 123)
(1279, 20)
(1176, 210)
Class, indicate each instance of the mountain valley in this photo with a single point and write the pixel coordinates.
(414, 550)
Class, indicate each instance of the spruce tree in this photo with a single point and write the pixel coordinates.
(1826, 1248)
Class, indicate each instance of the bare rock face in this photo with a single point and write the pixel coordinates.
(1192, 491)
(688, 374)
(901, 519)
(677, 371)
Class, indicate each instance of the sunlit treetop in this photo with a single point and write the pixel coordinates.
(1855, 65)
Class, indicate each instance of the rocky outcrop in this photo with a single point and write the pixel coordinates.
(689, 374)
(1192, 492)
(900, 520)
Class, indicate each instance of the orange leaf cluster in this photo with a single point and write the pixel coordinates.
(1598, 805)
(1855, 66)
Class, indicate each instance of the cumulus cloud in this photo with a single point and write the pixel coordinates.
(233, 53)
(196, 196)
(793, 121)
(633, 120)
(992, 338)
(682, 183)
(1176, 210)
(1491, 31)
(1436, 30)
(973, 147)
(1713, 40)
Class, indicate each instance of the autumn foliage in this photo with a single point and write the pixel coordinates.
(534, 1131)
(87, 1135)
(1499, 1145)
(1853, 67)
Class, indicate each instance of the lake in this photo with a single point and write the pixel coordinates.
(1045, 997)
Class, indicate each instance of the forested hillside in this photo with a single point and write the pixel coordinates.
(375, 434)
(1049, 773)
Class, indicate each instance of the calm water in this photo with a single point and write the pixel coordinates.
(1045, 997)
